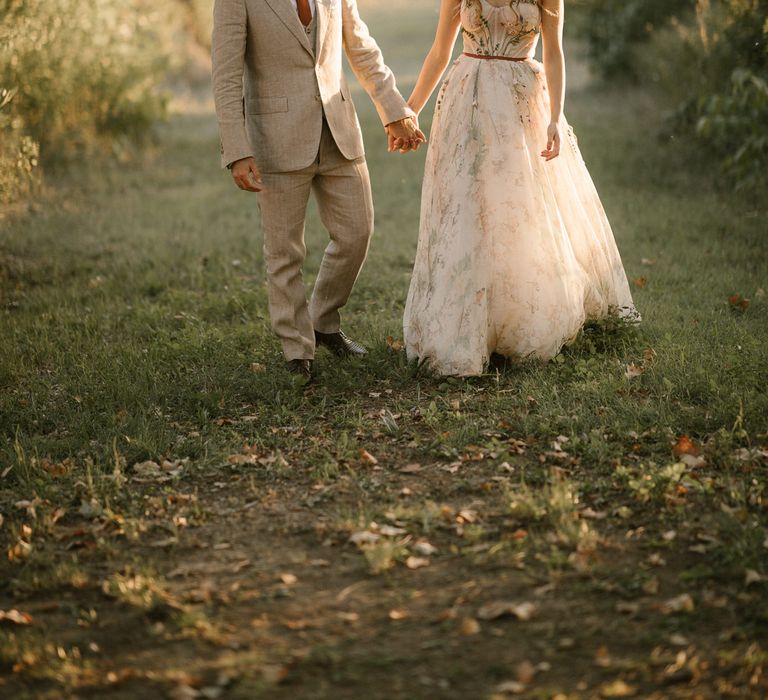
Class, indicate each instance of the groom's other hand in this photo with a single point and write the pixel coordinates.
(404, 136)
(246, 175)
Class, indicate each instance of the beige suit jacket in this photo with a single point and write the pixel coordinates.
(271, 88)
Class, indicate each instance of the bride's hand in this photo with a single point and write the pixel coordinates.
(553, 142)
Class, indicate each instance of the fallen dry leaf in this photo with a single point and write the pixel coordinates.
(56, 469)
(410, 469)
(693, 461)
(651, 586)
(603, 657)
(274, 673)
(678, 640)
(426, 549)
(590, 514)
(396, 345)
(367, 458)
(243, 459)
(19, 551)
(289, 579)
(15, 617)
(364, 537)
(627, 607)
(466, 515)
(501, 608)
(416, 562)
(391, 531)
(685, 446)
(751, 576)
(617, 689)
(152, 471)
(470, 626)
(640, 282)
(678, 604)
(738, 302)
(632, 370)
(29, 506)
(297, 625)
(525, 672)
(514, 687)
(182, 691)
(146, 468)
(398, 614)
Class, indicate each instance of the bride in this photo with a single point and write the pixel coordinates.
(515, 251)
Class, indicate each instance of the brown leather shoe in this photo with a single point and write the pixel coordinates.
(301, 368)
(339, 344)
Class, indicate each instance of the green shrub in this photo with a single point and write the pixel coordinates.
(706, 60)
(18, 154)
(614, 31)
(734, 123)
(76, 75)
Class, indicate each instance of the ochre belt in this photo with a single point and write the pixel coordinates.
(495, 58)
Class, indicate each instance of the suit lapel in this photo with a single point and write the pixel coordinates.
(323, 21)
(284, 10)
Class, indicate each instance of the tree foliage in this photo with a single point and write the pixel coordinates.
(74, 75)
(709, 58)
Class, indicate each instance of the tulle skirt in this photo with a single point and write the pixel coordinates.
(514, 253)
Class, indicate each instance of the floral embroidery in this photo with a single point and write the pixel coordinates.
(514, 35)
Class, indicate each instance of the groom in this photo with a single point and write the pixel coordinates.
(288, 127)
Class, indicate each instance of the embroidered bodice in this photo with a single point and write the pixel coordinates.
(511, 29)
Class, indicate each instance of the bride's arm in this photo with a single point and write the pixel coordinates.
(439, 55)
(554, 67)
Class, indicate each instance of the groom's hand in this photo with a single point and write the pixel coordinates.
(404, 135)
(246, 175)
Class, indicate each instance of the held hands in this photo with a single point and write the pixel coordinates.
(246, 175)
(553, 142)
(404, 135)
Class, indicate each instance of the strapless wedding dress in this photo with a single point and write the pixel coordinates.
(514, 253)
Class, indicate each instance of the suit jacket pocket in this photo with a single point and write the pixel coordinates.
(267, 105)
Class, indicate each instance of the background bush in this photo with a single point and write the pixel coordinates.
(706, 60)
(75, 76)
(18, 153)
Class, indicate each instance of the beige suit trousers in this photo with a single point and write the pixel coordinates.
(342, 190)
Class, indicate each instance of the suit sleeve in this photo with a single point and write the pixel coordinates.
(230, 24)
(374, 75)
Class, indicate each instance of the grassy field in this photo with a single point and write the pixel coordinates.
(182, 521)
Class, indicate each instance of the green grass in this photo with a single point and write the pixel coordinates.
(134, 327)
